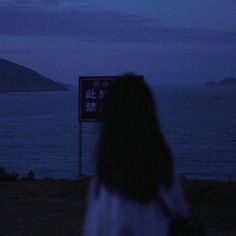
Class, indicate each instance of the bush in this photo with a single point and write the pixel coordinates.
(6, 176)
(29, 176)
(13, 176)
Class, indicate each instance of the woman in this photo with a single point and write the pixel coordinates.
(135, 172)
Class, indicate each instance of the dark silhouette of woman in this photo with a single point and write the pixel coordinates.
(134, 167)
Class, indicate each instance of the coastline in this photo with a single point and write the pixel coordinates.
(57, 207)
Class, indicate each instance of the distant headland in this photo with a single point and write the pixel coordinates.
(229, 81)
(17, 78)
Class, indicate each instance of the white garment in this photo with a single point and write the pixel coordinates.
(113, 215)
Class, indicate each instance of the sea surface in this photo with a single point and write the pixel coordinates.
(40, 131)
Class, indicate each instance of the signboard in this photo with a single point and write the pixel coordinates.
(92, 93)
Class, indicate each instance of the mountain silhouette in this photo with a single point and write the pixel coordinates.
(229, 81)
(17, 78)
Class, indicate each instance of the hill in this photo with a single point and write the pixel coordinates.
(17, 78)
(229, 81)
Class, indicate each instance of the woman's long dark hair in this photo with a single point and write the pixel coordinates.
(132, 156)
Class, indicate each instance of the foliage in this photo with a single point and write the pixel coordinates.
(7, 176)
(29, 176)
(13, 176)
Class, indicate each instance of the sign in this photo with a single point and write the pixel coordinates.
(92, 93)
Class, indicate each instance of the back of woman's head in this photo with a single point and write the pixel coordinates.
(132, 157)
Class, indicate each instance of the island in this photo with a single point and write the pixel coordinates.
(18, 78)
(229, 81)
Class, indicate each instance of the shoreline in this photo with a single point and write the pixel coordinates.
(57, 207)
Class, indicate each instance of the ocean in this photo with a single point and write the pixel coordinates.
(40, 131)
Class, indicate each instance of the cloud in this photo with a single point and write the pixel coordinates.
(36, 18)
(20, 4)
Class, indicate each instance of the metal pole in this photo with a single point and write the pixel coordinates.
(80, 150)
(80, 174)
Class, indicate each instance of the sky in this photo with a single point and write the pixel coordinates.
(167, 41)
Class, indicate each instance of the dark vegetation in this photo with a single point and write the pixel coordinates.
(13, 176)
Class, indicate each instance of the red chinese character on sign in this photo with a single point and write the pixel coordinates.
(96, 84)
(105, 84)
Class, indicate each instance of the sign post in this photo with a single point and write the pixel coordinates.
(92, 91)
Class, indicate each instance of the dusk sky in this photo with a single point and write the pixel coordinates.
(167, 41)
